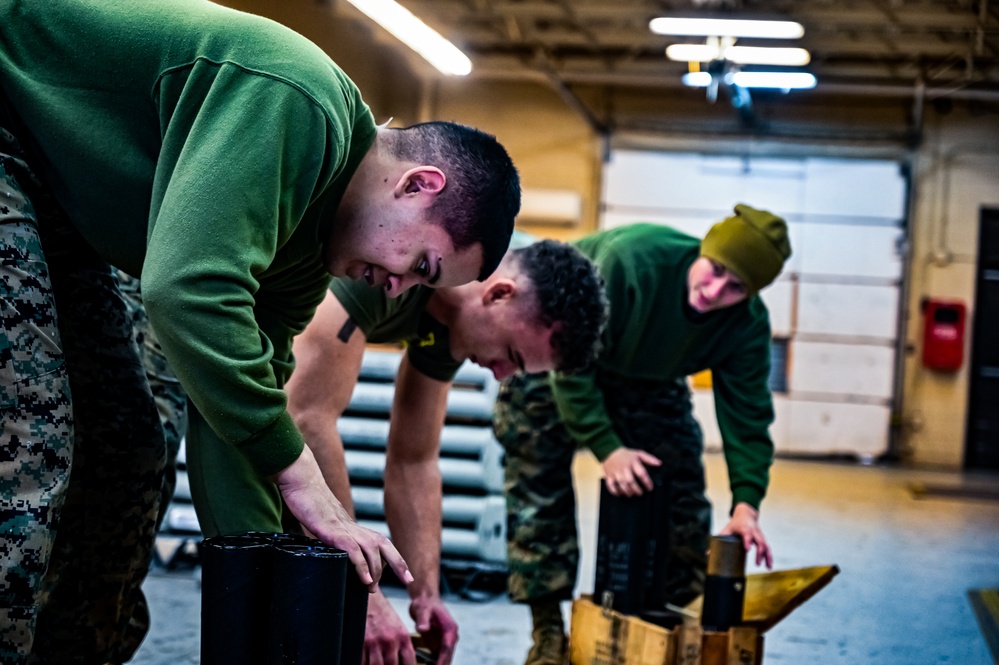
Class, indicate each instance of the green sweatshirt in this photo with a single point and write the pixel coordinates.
(653, 334)
(206, 150)
(387, 320)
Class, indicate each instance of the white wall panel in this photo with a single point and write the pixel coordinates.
(795, 231)
(691, 224)
(778, 297)
(855, 188)
(823, 428)
(651, 179)
(847, 309)
(703, 182)
(841, 369)
(780, 430)
(849, 250)
(704, 411)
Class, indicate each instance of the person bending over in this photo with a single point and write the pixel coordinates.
(229, 164)
(542, 309)
(678, 305)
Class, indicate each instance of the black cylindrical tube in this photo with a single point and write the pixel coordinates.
(277, 538)
(623, 565)
(660, 530)
(235, 599)
(307, 604)
(355, 618)
(725, 584)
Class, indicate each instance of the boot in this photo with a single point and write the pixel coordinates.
(551, 646)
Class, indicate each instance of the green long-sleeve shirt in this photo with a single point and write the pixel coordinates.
(206, 150)
(652, 334)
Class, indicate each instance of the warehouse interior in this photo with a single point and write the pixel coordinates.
(887, 171)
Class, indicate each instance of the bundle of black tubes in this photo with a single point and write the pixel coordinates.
(632, 542)
(280, 599)
(633, 562)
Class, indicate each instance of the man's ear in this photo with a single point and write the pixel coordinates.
(428, 179)
(499, 289)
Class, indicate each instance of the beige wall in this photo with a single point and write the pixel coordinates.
(552, 147)
(957, 170)
(957, 174)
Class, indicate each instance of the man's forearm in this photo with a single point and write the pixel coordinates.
(412, 474)
(327, 446)
(413, 511)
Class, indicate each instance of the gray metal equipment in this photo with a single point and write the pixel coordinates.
(474, 533)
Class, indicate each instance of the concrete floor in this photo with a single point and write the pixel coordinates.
(900, 598)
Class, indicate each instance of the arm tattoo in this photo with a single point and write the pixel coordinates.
(347, 330)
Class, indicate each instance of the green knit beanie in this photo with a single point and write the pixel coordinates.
(753, 244)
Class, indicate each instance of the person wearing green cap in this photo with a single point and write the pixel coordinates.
(678, 306)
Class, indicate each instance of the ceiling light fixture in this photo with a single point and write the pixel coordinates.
(416, 34)
(778, 80)
(716, 27)
(744, 55)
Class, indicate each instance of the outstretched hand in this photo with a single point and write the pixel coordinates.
(310, 500)
(436, 626)
(386, 639)
(745, 523)
(625, 472)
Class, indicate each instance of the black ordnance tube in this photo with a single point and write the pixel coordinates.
(660, 542)
(235, 599)
(355, 617)
(725, 584)
(278, 538)
(623, 565)
(307, 604)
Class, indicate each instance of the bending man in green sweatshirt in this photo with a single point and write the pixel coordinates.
(232, 166)
(677, 306)
(542, 309)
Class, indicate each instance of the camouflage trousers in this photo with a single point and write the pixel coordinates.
(81, 446)
(542, 541)
(170, 396)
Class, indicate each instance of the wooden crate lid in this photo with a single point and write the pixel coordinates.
(772, 596)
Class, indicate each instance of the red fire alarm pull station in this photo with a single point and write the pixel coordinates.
(943, 334)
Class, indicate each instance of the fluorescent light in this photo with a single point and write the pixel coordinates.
(693, 52)
(744, 55)
(697, 79)
(416, 34)
(759, 55)
(779, 80)
(716, 27)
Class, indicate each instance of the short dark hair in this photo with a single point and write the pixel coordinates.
(569, 292)
(482, 195)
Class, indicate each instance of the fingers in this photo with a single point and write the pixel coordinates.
(361, 564)
(386, 639)
(649, 458)
(368, 552)
(623, 487)
(748, 540)
(448, 643)
(764, 553)
(445, 635)
(643, 478)
(391, 555)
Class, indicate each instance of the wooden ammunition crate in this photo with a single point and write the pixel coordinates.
(600, 636)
